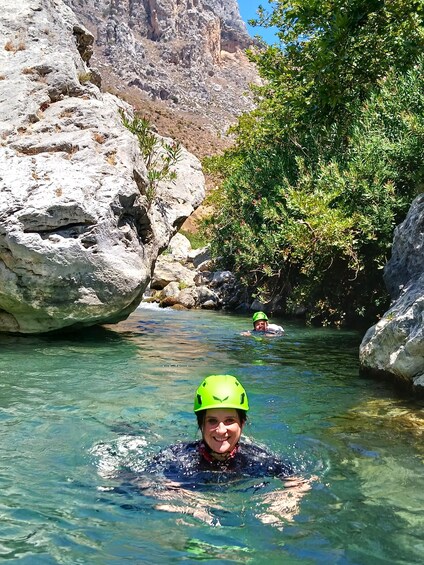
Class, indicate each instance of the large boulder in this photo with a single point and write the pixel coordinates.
(394, 347)
(79, 231)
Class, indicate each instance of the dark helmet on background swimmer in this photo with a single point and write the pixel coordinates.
(220, 391)
(259, 316)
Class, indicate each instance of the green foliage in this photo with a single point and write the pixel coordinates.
(309, 214)
(197, 240)
(84, 77)
(335, 52)
(159, 157)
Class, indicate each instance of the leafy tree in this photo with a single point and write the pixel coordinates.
(332, 54)
(330, 160)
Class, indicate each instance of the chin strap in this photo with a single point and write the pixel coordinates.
(206, 453)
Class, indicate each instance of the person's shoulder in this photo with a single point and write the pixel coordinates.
(176, 450)
(185, 446)
(252, 448)
(275, 328)
(175, 462)
(261, 455)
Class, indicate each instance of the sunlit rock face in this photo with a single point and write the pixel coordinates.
(394, 347)
(188, 54)
(78, 235)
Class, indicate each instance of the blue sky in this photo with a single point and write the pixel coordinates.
(248, 11)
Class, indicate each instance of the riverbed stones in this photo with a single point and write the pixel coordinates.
(79, 233)
(180, 278)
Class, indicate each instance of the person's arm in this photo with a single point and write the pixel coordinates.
(175, 498)
(282, 505)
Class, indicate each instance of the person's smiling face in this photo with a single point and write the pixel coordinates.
(221, 429)
(261, 326)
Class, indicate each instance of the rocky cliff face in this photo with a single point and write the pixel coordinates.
(186, 53)
(79, 231)
(394, 347)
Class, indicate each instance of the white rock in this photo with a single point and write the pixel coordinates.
(179, 247)
(394, 347)
(78, 237)
(167, 269)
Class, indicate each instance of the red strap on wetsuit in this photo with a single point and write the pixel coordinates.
(206, 454)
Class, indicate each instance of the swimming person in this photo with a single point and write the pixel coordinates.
(212, 478)
(262, 326)
(221, 457)
(220, 405)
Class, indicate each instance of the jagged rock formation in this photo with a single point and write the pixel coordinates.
(186, 53)
(394, 347)
(79, 233)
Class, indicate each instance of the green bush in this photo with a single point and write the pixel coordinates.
(197, 240)
(313, 220)
(159, 156)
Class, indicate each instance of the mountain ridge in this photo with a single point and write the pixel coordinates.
(179, 62)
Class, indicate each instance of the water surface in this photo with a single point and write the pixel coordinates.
(76, 408)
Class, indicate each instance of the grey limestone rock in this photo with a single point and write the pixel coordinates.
(394, 347)
(182, 282)
(78, 235)
(188, 53)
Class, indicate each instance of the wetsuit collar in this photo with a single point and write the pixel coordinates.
(206, 453)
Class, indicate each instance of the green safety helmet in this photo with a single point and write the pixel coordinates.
(259, 316)
(220, 391)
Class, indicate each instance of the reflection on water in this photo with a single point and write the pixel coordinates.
(77, 410)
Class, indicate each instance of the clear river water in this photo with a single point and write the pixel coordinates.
(76, 409)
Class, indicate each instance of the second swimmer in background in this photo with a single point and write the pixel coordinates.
(261, 326)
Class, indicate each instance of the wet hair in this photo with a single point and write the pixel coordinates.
(202, 413)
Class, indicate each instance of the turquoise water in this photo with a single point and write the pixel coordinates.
(74, 409)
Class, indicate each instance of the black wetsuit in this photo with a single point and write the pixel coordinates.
(192, 465)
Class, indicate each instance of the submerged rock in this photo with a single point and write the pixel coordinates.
(79, 235)
(394, 347)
